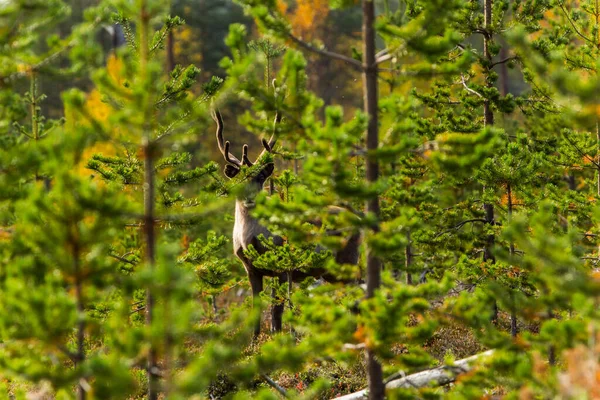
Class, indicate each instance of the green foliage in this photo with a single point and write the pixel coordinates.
(115, 246)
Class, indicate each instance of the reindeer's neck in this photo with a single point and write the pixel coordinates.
(242, 212)
(246, 228)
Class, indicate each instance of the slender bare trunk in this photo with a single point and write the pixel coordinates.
(150, 240)
(513, 314)
(170, 52)
(34, 112)
(80, 356)
(597, 29)
(374, 370)
(35, 130)
(149, 235)
(487, 36)
(488, 116)
(598, 153)
(504, 71)
(408, 259)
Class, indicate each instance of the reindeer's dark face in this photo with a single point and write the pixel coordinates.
(254, 181)
(255, 177)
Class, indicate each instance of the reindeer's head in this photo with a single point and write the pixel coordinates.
(257, 178)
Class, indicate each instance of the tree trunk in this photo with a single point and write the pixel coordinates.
(81, 393)
(369, 78)
(170, 52)
(513, 314)
(148, 226)
(150, 260)
(438, 376)
(488, 121)
(408, 256)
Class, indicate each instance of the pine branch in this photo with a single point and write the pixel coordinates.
(460, 225)
(581, 35)
(123, 259)
(582, 153)
(47, 60)
(507, 59)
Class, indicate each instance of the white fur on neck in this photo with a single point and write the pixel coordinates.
(246, 227)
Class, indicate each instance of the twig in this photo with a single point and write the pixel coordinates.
(137, 310)
(383, 58)
(123, 259)
(275, 385)
(72, 356)
(503, 61)
(393, 377)
(462, 78)
(382, 53)
(564, 10)
(582, 153)
(326, 53)
(460, 225)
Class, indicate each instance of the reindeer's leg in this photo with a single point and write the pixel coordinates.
(277, 307)
(256, 283)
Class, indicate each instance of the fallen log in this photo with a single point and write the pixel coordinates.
(439, 376)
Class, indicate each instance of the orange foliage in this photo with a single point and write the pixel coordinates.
(282, 7)
(514, 200)
(185, 242)
(308, 16)
(5, 234)
(360, 334)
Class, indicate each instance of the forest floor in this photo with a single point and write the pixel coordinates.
(450, 339)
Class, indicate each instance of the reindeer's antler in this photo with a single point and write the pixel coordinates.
(271, 143)
(245, 158)
(224, 145)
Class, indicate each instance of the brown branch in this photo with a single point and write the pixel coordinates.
(137, 310)
(460, 225)
(503, 61)
(337, 56)
(564, 10)
(72, 356)
(582, 153)
(122, 259)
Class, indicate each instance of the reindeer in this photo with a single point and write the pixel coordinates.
(247, 229)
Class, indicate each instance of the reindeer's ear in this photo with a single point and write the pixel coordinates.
(231, 171)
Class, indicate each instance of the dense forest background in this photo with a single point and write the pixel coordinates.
(415, 183)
